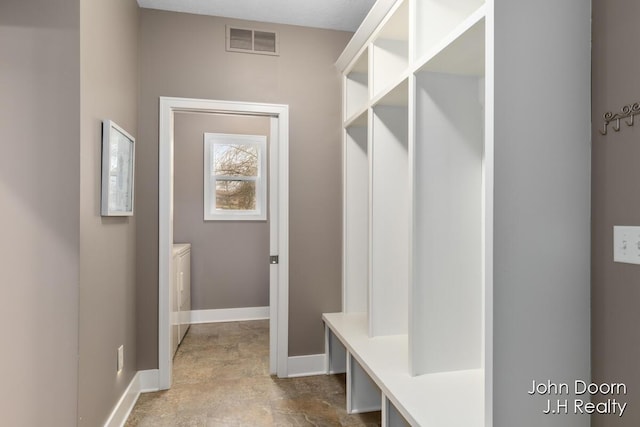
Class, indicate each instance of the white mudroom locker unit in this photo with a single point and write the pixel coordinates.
(466, 248)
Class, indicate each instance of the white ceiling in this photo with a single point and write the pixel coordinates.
(343, 15)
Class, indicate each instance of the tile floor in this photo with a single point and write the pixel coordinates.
(221, 378)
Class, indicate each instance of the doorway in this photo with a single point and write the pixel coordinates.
(278, 225)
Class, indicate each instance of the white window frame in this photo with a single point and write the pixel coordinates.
(213, 214)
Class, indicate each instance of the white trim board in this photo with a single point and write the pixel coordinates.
(228, 315)
(142, 381)
(365, 32)
(149, 380)
(304, 366)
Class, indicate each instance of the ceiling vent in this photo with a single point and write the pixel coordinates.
(252, 41)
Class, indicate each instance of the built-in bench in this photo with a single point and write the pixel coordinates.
(378, 379)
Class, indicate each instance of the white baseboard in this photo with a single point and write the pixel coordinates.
(126, 403)
(229, 314)
(149, 380)
(142, 381)
(304, 366)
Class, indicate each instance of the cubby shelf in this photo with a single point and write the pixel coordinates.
(395, 95)
(356, 86)
(433, 235)
(358, 119)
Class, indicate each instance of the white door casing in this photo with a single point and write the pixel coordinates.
(279, 223)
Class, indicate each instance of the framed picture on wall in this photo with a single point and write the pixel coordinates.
(118, 160)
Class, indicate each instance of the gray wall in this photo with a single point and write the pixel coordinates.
(71, 297)
(109, 90)
(183, 55)
(229, 259)
(40, 198)
(542, 203)
(615, 349)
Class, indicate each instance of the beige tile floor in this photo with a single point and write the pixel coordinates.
(221, 378)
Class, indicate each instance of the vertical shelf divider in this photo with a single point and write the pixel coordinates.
(389, 227)
(356, 232)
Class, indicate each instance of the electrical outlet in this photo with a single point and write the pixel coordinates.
(626, 244)
(120, 358)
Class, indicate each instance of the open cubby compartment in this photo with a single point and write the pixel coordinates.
(336, 354)
(396, 95)
(434, 21)
(446, 291)
(356, 219)
(363, 394)
(391, 417)
(389, 221)
(463, 54)
(360, 119)
(390, 49)
(356, 86)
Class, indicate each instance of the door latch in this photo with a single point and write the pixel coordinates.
(273, 259)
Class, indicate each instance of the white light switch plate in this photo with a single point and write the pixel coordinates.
(626, 244)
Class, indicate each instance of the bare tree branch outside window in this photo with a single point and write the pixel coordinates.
(236, 161)
(235, 177)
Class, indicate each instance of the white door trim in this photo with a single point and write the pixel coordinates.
(279, 235)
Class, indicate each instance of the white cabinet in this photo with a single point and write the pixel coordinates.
(466, 209)
(180, 293)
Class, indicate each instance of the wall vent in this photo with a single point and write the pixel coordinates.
(248, 40)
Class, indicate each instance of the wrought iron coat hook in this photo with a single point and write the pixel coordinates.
(631, 111)
(630, 122)
(627, 111)
(607, 118)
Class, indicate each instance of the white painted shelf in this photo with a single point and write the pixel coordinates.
(356, 86)
(359, 118)
(396, 95)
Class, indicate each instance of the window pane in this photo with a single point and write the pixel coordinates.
(235, 159)
(235, 195)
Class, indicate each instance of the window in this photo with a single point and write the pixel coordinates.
(235, 183)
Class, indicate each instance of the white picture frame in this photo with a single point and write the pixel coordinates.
(118, 163)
